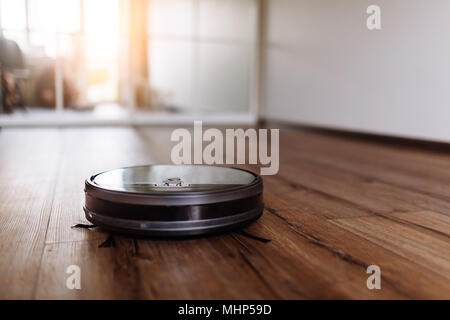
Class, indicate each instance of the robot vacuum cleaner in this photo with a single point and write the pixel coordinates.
(173, 200)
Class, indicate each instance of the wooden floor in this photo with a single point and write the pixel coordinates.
(339, 204)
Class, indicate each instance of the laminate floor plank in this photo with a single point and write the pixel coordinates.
(419, 247)
(426, 219)
(366, 193)
(29, 162)
(424, 172)
(337, 205)
(151, 269)
(407, 277)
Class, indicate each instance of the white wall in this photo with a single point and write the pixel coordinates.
(201, 53)
(323, 66)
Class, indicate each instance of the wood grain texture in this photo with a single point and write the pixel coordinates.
(424, 249)
(29, 162)
(338, 204)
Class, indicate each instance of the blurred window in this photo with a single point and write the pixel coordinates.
(71, 46)
(202, 53)
(177, 54)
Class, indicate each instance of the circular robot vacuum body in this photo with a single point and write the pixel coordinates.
(173, 200)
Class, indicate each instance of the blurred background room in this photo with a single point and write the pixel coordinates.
(127, 61)
(143, 62)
